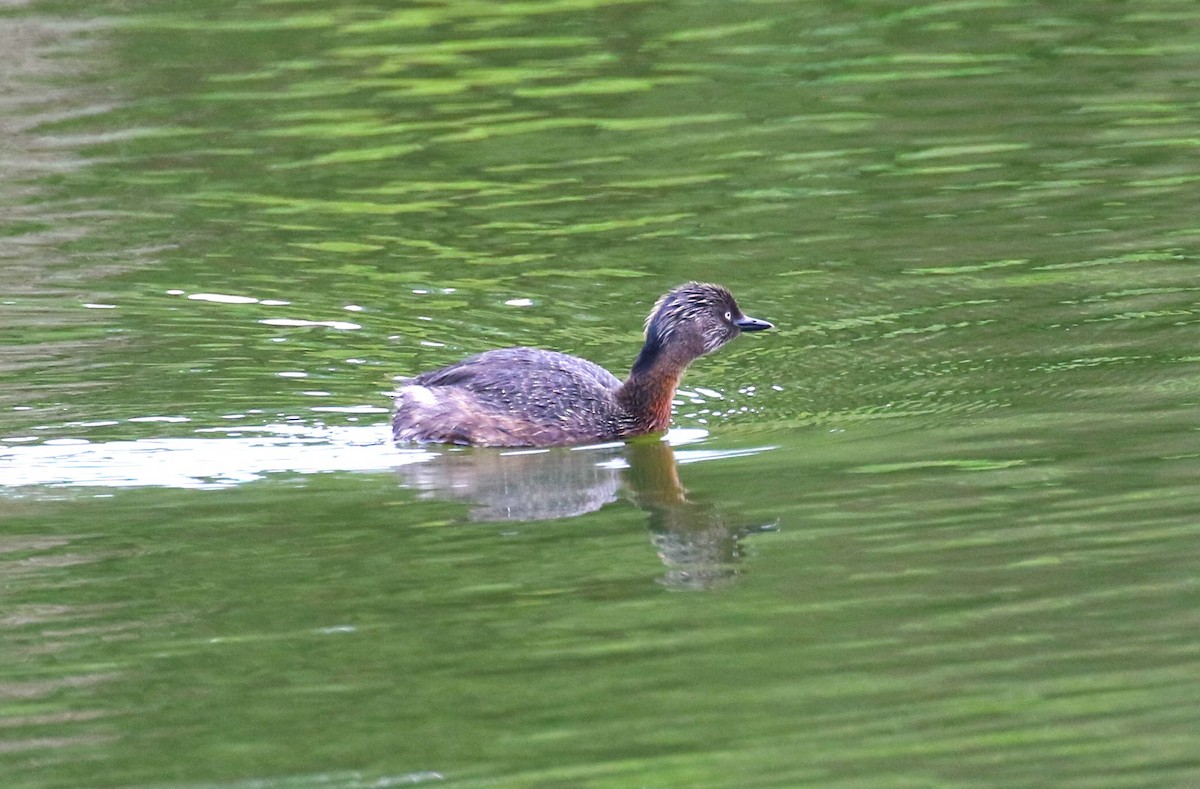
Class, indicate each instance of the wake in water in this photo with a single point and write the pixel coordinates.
(223, 460)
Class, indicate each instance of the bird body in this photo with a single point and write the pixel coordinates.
(530, 397)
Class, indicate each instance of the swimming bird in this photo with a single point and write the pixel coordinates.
(527, 397)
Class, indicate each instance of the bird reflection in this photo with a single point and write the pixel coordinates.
(528, 485)
(694, 541)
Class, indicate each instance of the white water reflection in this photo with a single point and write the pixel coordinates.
(227, 456)
(201, 462)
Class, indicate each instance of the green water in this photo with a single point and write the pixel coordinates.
(940, 528)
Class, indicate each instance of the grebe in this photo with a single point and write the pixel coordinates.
(526, 397)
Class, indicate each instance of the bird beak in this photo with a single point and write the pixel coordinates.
(746, 323)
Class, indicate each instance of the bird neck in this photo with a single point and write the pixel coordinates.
(647, 393)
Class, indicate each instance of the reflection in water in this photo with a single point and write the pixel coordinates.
(53, 329)
(693, 539)
(520, 486)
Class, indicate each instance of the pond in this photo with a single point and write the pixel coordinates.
(939, 527)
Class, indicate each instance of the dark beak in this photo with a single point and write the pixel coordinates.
(746, 323)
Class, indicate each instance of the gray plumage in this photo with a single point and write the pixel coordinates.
(532, 397)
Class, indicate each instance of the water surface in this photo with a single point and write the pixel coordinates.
(937, 529)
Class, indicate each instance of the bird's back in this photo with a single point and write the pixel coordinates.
(510, 397)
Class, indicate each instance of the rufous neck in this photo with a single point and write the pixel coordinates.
(649, 390)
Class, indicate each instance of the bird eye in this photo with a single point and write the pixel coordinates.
(728, 315)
